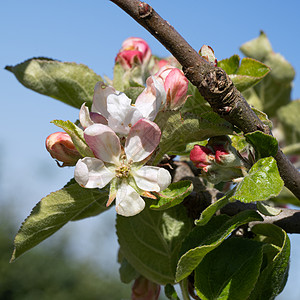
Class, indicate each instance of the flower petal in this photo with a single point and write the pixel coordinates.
(128, 201)
(143, 138)
(122, 115)
(91, 173)
(149, 178)
(151, 99)
(84, 116)
(104, 143)
(101, 92)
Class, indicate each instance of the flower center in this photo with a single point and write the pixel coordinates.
(123, 171)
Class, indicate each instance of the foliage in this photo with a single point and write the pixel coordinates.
(128, 122)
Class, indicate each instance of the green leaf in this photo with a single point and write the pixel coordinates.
(267, 210)
(133, 92)
(76, 135)
(262, 182)
(204, 239)
(246, 75)
(263, 117)
(258, 48)
(173, 195)
(53, 212)
(170, 292)
(230, 65)
(127, 272)
(286, 197)
(208, 213)
(274, 276)
(289, 118)
(265, 145)
(151, 240)
(230, 271)
(275, 90)
(249, 74)
(68, 82)
(179, 130)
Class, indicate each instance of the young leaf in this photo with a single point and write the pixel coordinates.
(179, 130)
(267, 210)
(76, 135)
(151, 240)
(208, 213)
(68, 82)
(274, 276)
(53, 212)
(264, 144)
(173, 195)
(274, 91)
(230, 271)
(204, 239)
(170, 292)
(289, 118)
(262, 182)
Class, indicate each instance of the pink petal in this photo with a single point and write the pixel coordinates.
(128, 201)
(151, 99)
(91, 173)
(104, 143)
(142, 140)
(149, 178)
(101, 92)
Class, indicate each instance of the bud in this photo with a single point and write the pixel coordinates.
(175, 84)
(144, 289)
(61, 148)
(202, 157)
(208, 54)
(134, 51)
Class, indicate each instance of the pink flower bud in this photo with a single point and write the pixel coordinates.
(144, 289)
(202, 157)
(61, 147)
(175, 84)
(134, 51)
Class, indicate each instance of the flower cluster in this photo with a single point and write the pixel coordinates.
(121, 135)
(218, 160)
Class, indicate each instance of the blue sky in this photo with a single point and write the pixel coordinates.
(91, 32)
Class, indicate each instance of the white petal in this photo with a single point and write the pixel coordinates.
(128, 201)
(122, 115)
(84, 116)
(91, 173)
(151, 99)
(104, 143)
(142, 140)
(101, 92)
(150, 178)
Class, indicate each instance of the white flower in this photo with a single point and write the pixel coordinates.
(114, 108)
(123, 167)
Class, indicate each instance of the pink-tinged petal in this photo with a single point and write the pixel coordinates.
(91, 173)
(122, 115)
(143, 138)
(104, 143)
(153, 179)
(97, 118)
(101, 92)
(84, 116)
(128, 201)
(151, 99)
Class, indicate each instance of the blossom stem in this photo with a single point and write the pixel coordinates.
(184, 289)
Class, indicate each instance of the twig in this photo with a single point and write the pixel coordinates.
(212, 82)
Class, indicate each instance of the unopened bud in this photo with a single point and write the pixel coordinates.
(61, 148)
(175, 84)
(208, 54)
(134, 51)
(144, 289)
(202, 157)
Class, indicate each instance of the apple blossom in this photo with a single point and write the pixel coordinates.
(134, 51)
(175, 85)
(122, 167)
(61, 148)
(113, 108)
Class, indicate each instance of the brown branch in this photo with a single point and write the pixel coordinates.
(212, 82)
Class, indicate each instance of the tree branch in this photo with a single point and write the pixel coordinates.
(212, 82)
